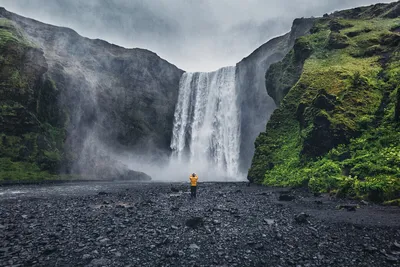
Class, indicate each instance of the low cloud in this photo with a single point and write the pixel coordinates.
(195, 35)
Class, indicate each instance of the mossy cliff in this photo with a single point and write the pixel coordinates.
(337, 127)
(32, 126)
(70, 104)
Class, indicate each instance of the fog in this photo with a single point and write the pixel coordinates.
(201, 35)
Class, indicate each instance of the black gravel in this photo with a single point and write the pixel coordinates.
(230, 224)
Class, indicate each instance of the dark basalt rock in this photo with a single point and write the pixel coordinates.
(301, 218)
(286, 197)
(348, 207)
(336, 26)
(338, 41)
(390, 39)
(195, 222)
(266, 233)
(356, 33)
(325, 101)
(174, 189)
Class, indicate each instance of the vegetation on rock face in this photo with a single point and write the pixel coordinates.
(32, 128)
(282, 75)
(337, 128)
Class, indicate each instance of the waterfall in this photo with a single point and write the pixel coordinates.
(206, 131)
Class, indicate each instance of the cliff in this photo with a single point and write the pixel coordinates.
(69, 103)
(255, 104)
(337, 125)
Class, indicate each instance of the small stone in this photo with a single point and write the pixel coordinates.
(395, 246)
(391, 258)
(370, 249)
(174, 189)
(102, 193)
(4, 250)
(194, 247)
(259, 246)
(104, 240)
(269, 221)
(86, 257)
(174, 227)
(24, 216)
(216, 222)
(279, 236)
(169, 254)
(100, 262)
(118, 254)
(174, 208)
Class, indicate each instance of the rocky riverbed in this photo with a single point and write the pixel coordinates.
(154, 224)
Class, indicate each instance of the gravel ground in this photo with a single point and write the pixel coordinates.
(153, 224)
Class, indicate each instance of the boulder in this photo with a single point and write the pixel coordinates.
(194, 222)
(301, 218)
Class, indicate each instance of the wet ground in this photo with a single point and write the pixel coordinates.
(155, 224)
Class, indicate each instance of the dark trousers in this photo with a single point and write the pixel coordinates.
(193, 191)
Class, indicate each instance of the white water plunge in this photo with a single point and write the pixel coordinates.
(206, 132)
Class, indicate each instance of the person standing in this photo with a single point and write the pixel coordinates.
(193, 185)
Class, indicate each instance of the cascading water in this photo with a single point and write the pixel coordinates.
(206, 132)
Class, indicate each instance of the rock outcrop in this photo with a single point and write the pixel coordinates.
(256, 105)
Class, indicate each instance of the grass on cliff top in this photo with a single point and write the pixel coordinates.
(368, 166)
(10, 34)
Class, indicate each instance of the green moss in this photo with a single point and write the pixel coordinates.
(336, 128)
(17, 80)
(282, 76)
(26, 171)
(395, 202)
(32, 125)
(10, 170)
(11, 35)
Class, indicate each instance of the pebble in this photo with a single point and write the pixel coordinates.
(239, 229)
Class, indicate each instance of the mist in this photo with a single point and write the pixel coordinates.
(199, 35)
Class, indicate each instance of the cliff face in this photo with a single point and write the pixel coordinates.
(255, 103)
(337, 127)
(75, 102)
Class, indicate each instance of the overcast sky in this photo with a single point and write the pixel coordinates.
(195, 35)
